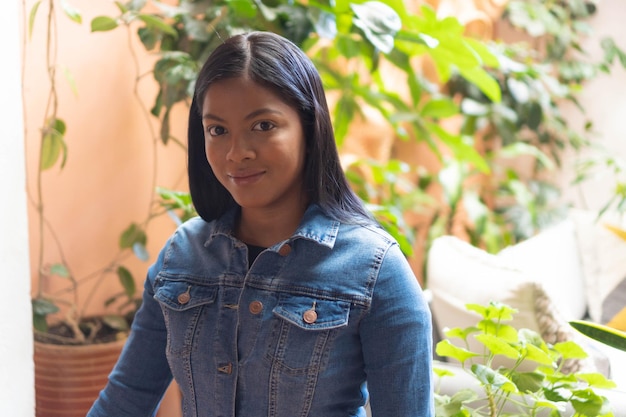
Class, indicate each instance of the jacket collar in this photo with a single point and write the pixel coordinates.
(315, 226)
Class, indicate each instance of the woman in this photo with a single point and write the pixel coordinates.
(284, 298)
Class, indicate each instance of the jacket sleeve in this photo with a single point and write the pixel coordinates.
(142, 374)
(396, 338)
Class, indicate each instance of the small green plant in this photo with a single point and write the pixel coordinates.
(545, 389)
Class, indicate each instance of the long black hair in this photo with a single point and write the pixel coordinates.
(279, 65)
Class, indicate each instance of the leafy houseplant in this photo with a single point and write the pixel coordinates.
(507, 96)
(511, 391)
(548, 68)
(74, 328)
(73, 353)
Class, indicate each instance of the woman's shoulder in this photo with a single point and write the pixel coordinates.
(367, 232)
(352, 229)
(196, 226)
(190, 236)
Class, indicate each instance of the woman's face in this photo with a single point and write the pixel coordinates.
(255, 144)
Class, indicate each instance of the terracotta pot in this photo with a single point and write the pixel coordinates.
(68, 379)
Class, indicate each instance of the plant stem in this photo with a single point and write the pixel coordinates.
(111, 268)
(49, 115)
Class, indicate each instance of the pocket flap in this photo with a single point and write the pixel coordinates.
(183, 295)
(328, 314)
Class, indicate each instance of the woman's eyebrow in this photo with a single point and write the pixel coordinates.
(212, 117)
(251, 115)
(262, 110)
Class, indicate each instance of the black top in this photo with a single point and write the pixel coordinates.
(253, 252)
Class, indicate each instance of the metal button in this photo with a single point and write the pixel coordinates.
(285, 250)
(309, 316)
(226, 369)
(184, 297)
(256, 307)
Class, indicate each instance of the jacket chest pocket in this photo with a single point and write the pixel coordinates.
(303, 332)
(184, 305)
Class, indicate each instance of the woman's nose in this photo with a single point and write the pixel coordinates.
(240, 148)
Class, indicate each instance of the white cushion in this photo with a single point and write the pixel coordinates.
(603, 257)
(459, 273)
(552, 258)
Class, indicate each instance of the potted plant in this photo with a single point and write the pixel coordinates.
(534, 383)
(73, 352)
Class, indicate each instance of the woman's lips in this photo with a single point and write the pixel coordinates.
(246, 178)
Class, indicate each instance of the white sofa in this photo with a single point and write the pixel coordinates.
(573, 270)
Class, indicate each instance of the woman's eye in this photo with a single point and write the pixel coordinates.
(263, 126)
(216, 130)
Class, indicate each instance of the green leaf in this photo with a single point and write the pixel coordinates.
(103, 24)
(133, 234)
(588, 403)
(502, 331)
(485, 82)
(498, 346)
(531, 337)
(454, 406)
(344, 112)
(461, 333)
(439, 108)
(440, 372)
(496, 380)
(463, 151)
(521, 148)
(158, 23)
(31, 18)
(601, 333)
(596, 380)
(71, 12)
(570, 350)
(53, 145)
(538, 355)
(528, 381)
(59, 270)
(243, 8)
(379, 23)
(445, 348)
(134, 5)
(488, 59)
(43, 307)
(112, 299)
(70, 80)
(127, 281)
(40, 323)
(116, 322)
(494, 311)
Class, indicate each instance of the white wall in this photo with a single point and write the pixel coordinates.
(605, 101)
(16, 364)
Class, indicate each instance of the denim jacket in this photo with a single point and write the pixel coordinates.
(314, 326)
